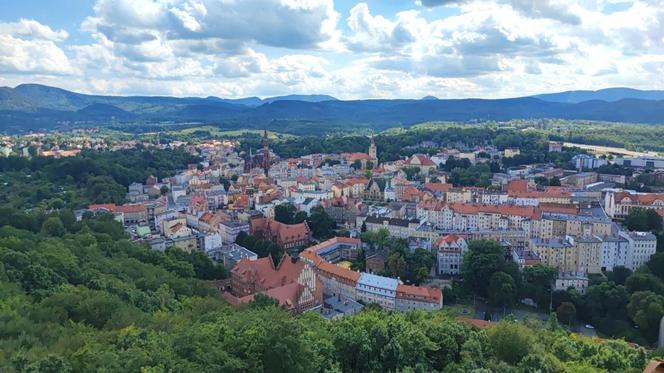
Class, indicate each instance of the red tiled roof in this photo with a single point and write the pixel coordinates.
(357, 180)
(356, 156)
(431, 204)
(438, 187)
(519, 185)
(288, 232)
(207, 217)
(332, 241)
(641, 199)
(422, 160)
(449, 239)
(125, 209)
(482, 324)
(263, 272)
(102, 206)
(420, 293)
(339, 272)
(560, 208)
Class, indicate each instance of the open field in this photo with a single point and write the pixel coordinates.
(217, 132)
(601, 150)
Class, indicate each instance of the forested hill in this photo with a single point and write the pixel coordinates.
(77, 297)
(90, 177)
(35, 106)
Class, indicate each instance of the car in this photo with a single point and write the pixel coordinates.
(588, 326)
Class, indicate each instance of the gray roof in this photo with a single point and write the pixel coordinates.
(376, 281)
(391, 221)
(552, 242)
(642, 236)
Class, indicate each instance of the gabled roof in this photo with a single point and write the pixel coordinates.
(438, 187)
(263, 273)
(449, 239)
(420, 293)
(420, 160)
(381, 183)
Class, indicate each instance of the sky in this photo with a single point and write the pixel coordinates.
(344, 48)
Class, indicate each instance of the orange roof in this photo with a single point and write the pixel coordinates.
(240, 201)
(331, 241)
(641, 199)
(548, 193)
(288, 232)
(103, 206)
(263, 272)
(207, 217)
(482, 324)
(357, 180)
(431, 204)
(125, 209)
(562, 208)
(518, 185)
(176, 227)
(411, 193)
(338, 272)
(448, 239)
(438, 187)
(422, 160)
(356, 156)
(427, 294)
(311, 256)
(286, 295)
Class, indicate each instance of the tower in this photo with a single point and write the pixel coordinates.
(373, 151)
(266, 153)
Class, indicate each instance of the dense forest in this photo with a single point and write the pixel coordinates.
(78, 297)
(91, 177)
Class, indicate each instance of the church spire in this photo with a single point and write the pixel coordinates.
(266, 153)
(373, 150)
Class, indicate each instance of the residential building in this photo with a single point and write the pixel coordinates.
(643, 245)
(574, 280)
(618, 203)
(410, 297)
(377, 289)
(231, 228)
(401, 228)
(450, 250)
(587, 162)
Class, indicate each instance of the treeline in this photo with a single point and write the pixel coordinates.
(77, 297)
(397, 144)
(91, 177)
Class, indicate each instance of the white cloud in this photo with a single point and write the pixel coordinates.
(281, 23)
(235, 48)
(27, 46)
(31, 29)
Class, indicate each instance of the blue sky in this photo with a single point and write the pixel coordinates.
(346, 48)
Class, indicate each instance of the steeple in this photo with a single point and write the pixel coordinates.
(266, 153)
(373, 151)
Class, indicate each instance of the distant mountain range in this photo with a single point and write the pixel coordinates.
(608, 95)
(33, 106)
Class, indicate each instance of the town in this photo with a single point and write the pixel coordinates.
(316, 209)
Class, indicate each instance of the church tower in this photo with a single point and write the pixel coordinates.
(373, 151)
(266, 154)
